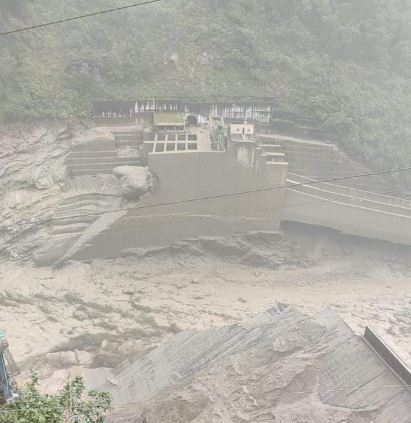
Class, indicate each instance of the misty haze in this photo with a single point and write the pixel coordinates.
(205, 211)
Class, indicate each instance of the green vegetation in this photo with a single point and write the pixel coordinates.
(71, 405)
(342, 66)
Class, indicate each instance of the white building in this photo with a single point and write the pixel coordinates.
(242, 128)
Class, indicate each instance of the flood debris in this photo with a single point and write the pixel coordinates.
(281, 366)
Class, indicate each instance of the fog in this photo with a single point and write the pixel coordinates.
(205, 211)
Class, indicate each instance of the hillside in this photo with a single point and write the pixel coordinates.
(340, 66)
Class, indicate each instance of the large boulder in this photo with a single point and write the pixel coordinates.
(134, 181)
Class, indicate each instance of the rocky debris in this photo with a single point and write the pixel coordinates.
(283, 366)
(135, 181)
(256, 249)
(118, 309)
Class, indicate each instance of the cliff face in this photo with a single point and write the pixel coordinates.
(32, 180)
(35, 186)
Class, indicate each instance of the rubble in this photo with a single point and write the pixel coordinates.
(282, 366)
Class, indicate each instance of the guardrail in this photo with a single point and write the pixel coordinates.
(388, 356)
(333, 196)
(356, 192)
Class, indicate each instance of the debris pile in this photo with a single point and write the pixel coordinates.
(281, 367)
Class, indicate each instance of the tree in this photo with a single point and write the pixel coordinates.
(341, 66)
(73, 404)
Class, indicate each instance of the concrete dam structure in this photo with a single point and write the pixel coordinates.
(193, 191)
(169, 214)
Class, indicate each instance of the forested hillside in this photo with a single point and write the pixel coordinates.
(344, 65)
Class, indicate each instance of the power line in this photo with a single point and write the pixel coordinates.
(73, 18)
(158, 224)
(209, 197)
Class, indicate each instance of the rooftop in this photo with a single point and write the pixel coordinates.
(161, 119)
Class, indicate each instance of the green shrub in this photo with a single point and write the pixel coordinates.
(72, 404)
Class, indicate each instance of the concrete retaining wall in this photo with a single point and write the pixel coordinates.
(194, 175)
(352, 219)
(100, 157)
(317, 160)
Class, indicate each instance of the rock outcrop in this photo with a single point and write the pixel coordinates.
(32, 179)
(42, 209)
(135, 181)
